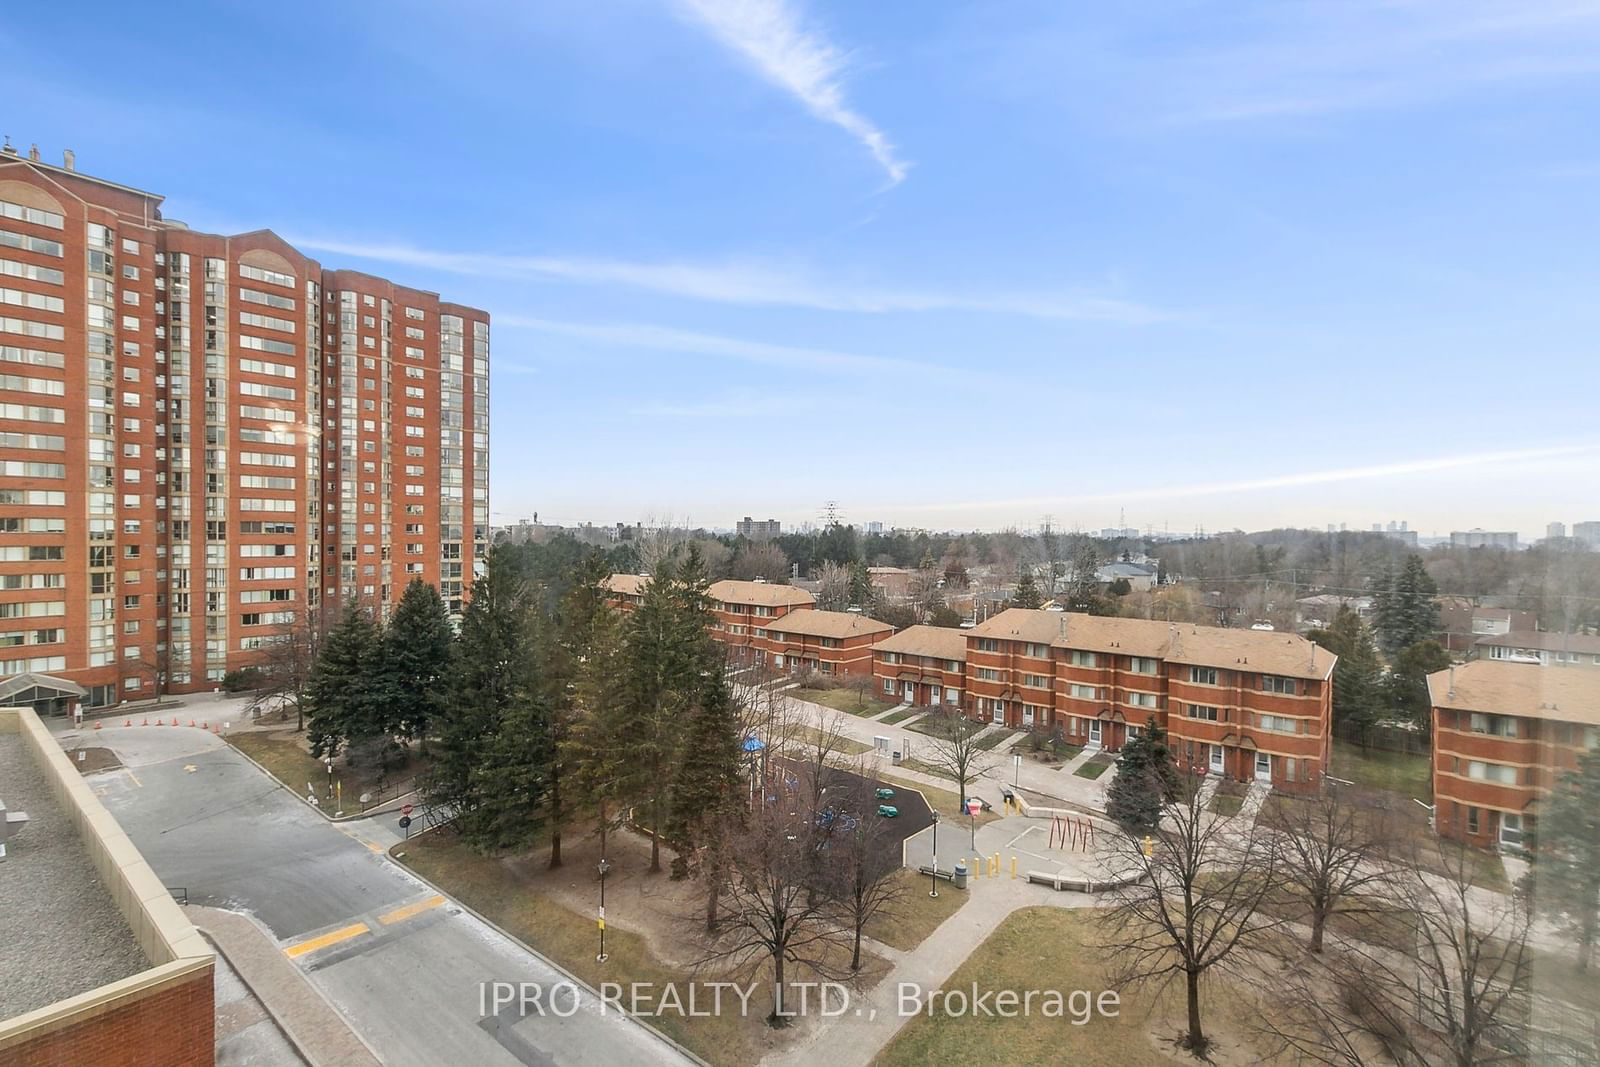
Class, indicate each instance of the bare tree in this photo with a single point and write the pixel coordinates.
(955, 748)
(656, 544)
(288, 659)
(1191, 902)
(863, 686)
(769, 909)
(1050, 556)
(760, 559)
(833, 587)
(864, 858)
(816, 750)
(1454, 990)
(1333, 852)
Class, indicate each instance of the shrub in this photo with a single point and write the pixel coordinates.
(243, 679)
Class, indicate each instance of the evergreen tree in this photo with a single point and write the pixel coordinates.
(510, 786)
(861, 585)
(1407, 606)
(344, 697)
(1564, 881)
(416, 657)
(562, 646)
(1027, 591)
(705, 788)
(1146, 780)
(1407, 688)
(489, 673)
(1358, 686)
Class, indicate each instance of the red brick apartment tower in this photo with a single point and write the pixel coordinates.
(206, 436)
(1503, 735)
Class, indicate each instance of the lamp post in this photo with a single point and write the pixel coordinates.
(933, 879)
(604, 867)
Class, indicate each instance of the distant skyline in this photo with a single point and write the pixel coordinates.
(955, 266)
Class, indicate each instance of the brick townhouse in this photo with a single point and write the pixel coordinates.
(739, 609)
(1503, 733)
(1252, 705)
(1538, 646)
(834, 643)
(922, 666)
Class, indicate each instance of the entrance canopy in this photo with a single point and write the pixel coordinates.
(46, 694)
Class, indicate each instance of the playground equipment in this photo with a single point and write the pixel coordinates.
(1071, 832)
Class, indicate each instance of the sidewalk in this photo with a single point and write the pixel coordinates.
(317, 1031)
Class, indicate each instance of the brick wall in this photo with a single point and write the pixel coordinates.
(171, 1025)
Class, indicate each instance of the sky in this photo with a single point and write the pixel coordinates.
(1174, 265)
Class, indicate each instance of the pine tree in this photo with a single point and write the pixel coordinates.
(1358, 689)
(1407, 606)
(1564, 881)
(562, 646)
(510, 786)
(861, 585)
(488, 674)
(1146, 780)
(344, 703)
(1407, 684)
(416, 655)
(1027, 591)
(705, 788)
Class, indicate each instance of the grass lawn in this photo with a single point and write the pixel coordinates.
(1095, 766)
(926, 768)
(944, 800)
(805, 736)
(286, 759)
(1394, 772)
(1054, 948)
(988, 741)
(567, 937)
(899, 716)
(910, 920)
(848, 701)
(1226, 804)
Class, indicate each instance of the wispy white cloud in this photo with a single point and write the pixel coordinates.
(771, 36)
(1523, 458)
(746, 282)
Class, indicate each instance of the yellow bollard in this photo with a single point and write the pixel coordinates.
(1013, 868)
(995, 865)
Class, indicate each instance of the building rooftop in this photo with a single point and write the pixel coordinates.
(1540, 639)
(61, 933)
(809, 622)
(941, 642)
(1270, 652)
(759, 594)
(1560, 694)
(627, 584)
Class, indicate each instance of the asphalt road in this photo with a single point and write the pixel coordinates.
(209, 821)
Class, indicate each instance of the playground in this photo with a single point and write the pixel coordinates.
(1072, 849)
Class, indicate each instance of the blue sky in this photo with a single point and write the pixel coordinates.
(949, 264)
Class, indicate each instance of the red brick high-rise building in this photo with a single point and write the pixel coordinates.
(203, 437)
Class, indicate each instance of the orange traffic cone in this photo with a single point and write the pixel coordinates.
(128, 723)
(174, 722)
(203, 726)
(145, 723)
(191, 722)
(97, 725)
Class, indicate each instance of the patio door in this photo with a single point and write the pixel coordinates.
(1094, 732)
(911, 692)
(1263, 767)
(1510, 830)
(1027, 714)
(1217, 758)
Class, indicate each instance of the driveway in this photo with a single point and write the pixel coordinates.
(401, 963)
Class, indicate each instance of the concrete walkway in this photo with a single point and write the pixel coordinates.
(317, 1031)
(857, 1037)
(885, 714)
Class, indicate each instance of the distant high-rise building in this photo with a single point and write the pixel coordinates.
(1555, 531)
(873, 528)
(1476, 538)
(1587, 532)
(757, 529)
(209, 436)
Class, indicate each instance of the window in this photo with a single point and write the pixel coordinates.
(37, 216)
(1142, 665)
(1498, 773)
(891, 658)
(1203, 675)
(1472, 820)
(1084, 659)
(1036, 681)
(1272, 683)
(1143, 700)
(988, 674)
(888, 685)
(988, 644)
(1036, 651)
(1204, 712)
(1280, 723)
(1084, 692)
(1498, 725)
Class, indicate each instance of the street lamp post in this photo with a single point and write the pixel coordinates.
(604, 867)
(933, 879)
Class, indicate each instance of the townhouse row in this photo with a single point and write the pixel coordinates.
(1504, 733)
(1250, 705)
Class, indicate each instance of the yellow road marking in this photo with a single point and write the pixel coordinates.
(405, 912)
(135, 778)
(331, 938)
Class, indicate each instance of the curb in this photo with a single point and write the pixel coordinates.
(687, 1053)
(376, 809)
(207, 926)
